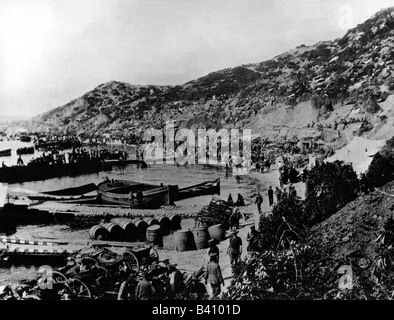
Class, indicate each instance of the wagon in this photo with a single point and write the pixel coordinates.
(101, 272)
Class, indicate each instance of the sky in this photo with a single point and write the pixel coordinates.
(53, 51)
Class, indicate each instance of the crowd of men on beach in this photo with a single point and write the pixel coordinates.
(77, 155)
(345, 122)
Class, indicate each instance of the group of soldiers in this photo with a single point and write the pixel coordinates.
(136, 200)
(278, 192)
(213, 273)
(162, 281)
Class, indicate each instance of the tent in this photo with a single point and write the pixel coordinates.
(359, 152)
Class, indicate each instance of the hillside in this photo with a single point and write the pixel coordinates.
(356, 227)
(326, 82)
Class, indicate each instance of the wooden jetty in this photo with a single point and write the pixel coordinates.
(73, 210)
(57, 212)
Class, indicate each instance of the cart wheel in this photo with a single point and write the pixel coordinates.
(78, 289)
(92, 260)
(153, 255)
(131, 261)
(104, 274)
(58, 277)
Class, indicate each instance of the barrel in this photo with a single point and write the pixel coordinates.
(153, 235)
(141, 226)
(116, 233)
(183, 240)
(98, 231)
(165, 224)
(216, 232)
(130, 230)
(201, 237)
(151, 221)
(175, 221)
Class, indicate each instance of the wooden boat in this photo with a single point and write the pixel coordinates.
(204, 188)
(5, 153)
(81, 194)
(26, 150)
(25, 138)
(153, 196)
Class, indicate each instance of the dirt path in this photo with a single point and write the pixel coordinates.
(191, 261)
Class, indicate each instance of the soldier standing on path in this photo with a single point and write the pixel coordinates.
(230, 201)
(234, 249)
(259, 201)
(19, 162)
(213, 275)
(213, 249)
(234, 218)
(270, 196)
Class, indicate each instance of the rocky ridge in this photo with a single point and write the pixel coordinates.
(323, 82)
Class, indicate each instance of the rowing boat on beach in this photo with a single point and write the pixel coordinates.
(153, 196)
(200, 189)
(87, 192)
(5, 153)
(117, 192)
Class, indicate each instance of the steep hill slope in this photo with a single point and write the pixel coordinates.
(352, 76)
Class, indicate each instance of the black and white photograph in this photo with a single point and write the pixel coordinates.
(200, 151)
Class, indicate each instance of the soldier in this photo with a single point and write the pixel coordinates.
(240, 200)
(234, 249)
(213, 249)
(126, 288)
(144, 290)
(234, 218)
(19, 161)
(230, 201)
(270, 196)
(259, 201)
(213, 275)
(176, 280)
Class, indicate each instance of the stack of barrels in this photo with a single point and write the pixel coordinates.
(138, 229)
(197, 238)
